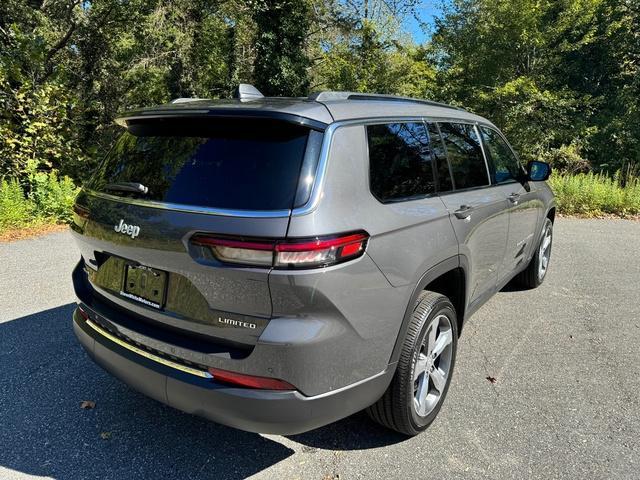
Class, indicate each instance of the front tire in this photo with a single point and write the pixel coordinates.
(536, 271)
(424, 370)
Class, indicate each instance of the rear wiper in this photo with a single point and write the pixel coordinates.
(127, 187)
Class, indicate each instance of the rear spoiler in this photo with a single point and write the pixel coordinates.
(190, 110)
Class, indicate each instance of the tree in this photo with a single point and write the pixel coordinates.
(554, 74)
(363, 48)
(280, 60)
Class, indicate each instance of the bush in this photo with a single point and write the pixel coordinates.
(50, 201)
(15, 210)
(52, 196)
(596, 194)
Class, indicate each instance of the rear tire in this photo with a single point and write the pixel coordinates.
(536, 271)
(424, 370)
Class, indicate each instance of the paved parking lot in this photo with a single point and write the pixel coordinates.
(565, 402)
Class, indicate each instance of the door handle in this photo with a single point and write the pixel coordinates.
(463, 212)
(514, 198)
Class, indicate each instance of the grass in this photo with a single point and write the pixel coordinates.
(596, 195)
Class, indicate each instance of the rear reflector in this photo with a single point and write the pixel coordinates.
(290, 253)
(249, 381)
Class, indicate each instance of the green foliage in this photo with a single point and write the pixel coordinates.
(15, 209)
(53, 197)
(369, 63)
(281, 63)
(36, 128)
(596, 194)
(560, 77)
(50, 200)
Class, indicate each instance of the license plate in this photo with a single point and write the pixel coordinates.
(145, 285)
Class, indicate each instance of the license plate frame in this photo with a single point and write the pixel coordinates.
(145, 285)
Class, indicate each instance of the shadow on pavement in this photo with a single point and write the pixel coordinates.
(45, 375)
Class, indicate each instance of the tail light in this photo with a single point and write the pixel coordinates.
(81, 211)
(249, 381)
(291, 253)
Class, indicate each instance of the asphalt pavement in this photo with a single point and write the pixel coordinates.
(546, 386)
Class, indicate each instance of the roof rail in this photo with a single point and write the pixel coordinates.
(330, 95)
(186, 100)
(246, 92)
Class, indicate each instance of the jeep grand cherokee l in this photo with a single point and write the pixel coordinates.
(276, 264)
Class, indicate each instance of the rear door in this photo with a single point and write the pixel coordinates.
(165, 180)
(524, 206)
(477, 210)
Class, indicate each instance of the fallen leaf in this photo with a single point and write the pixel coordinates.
(87, 404)
(492, 379)
(105, 435)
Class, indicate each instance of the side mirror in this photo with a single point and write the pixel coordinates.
(538, 171)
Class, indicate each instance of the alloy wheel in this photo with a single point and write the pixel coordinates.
(433, 365)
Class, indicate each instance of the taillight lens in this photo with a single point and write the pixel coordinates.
(319, 252)
(290, 253)
(249, 381)
(81, 211)
(238, 251)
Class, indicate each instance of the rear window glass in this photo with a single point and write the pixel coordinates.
(465, 155)
(400, 162)
(238, 164)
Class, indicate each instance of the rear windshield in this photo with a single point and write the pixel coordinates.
(238, 164)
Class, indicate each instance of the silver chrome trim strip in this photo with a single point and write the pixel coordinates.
(192, 208)
(318, 184)
(484, 154)
(150, 356)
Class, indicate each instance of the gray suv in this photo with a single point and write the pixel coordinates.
(276, 264)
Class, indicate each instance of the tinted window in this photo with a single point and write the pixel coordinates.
(399, 161)
(465, 155)
(440, 157)
(234, 164)
(503, 163)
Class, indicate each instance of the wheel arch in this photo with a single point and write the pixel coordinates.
(551, 214)
(448, 278)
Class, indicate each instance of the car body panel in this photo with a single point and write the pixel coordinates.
(482, 236)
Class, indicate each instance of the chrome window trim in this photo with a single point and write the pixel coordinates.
(321, 172)
(484, 154)
(192, 208)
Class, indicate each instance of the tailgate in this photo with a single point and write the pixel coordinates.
(200, 295)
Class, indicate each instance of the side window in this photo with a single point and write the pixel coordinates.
(400, 166)
(465, 155)
(503, 164)
(445, 184)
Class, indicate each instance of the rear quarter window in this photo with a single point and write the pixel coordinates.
(400, 161)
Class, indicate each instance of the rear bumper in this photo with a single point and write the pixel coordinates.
(264, 411)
